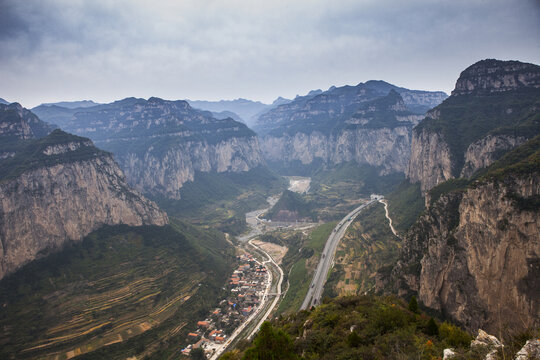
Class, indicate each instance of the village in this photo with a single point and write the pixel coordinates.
(246, 288)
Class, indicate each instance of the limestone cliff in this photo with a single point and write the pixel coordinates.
(19, 123)
(60, 188)
(474, 255)
(493, 108)
(430, 161)
(484, 152)
(165, 173)
(387, 149)
(161, 144)
(359, 124)
(491, 76)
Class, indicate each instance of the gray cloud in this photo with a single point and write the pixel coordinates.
(63, 49)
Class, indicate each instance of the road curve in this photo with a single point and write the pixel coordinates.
(313, 296)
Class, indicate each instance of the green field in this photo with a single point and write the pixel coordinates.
(319, 235)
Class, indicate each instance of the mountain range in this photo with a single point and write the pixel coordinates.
(75, 177)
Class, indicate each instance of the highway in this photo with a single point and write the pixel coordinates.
(313, 296)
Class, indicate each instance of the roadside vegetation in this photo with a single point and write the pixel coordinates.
(367, 246)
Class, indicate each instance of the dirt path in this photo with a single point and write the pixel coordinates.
(385, 203)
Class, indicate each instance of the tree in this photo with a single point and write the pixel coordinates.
(413, 305)
(354, 340)
(432, 328)
(271, 344)
(197, 354)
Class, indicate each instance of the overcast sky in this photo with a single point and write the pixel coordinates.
(103, 50)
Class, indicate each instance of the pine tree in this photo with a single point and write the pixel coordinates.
(413, 305)
(432, 328)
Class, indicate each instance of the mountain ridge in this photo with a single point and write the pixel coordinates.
(57, 188)
(160, 144)
(471, 128)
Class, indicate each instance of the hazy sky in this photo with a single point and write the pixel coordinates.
(52, 50)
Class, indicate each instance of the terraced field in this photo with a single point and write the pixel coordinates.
(119, 284)
(368, 245)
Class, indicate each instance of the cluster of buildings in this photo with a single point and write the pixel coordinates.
(246, 289)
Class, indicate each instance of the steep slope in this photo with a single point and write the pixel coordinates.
(161, 144)
(493, 108)
(474, 255)
(369, 123)
(18, 123)
(122, 291)
(357, 327)
(56, 189)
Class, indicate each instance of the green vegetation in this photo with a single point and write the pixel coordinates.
(291, 206)
(446, 187)
(524, 159)
(413, 305)
(30, 154)
(338, 190)
(157, 128)
(220, 200)
(405, 204)
(319, 235)
(466, 118)
(368, 246)
(296, 168)
(359, 327)
(271, 344)
(365, 177)
(135, 289)
(298, 288)
(298, 264)
(332, 116)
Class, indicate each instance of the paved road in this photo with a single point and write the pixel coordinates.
(316, 287)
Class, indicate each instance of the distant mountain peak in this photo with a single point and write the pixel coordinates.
(73, 104)
(495, 76)
(18, 122)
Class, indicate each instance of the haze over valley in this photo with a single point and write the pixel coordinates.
(374, 195)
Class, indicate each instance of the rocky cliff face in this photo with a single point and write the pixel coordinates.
(484, 152)
(165, 173)
(44, 208)
(361, 124)
(161, 144)
(20, 123)
(430, 161)
(493, 108)
(491, 76)
(475, 254)
(385, 148)
(56, 189)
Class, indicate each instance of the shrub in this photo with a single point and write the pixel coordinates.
(454, 336)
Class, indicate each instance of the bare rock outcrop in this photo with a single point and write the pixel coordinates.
(361, 124)
(161, 144)
(491, 111)
(475, 255)
(165, 173)
(61, 192)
